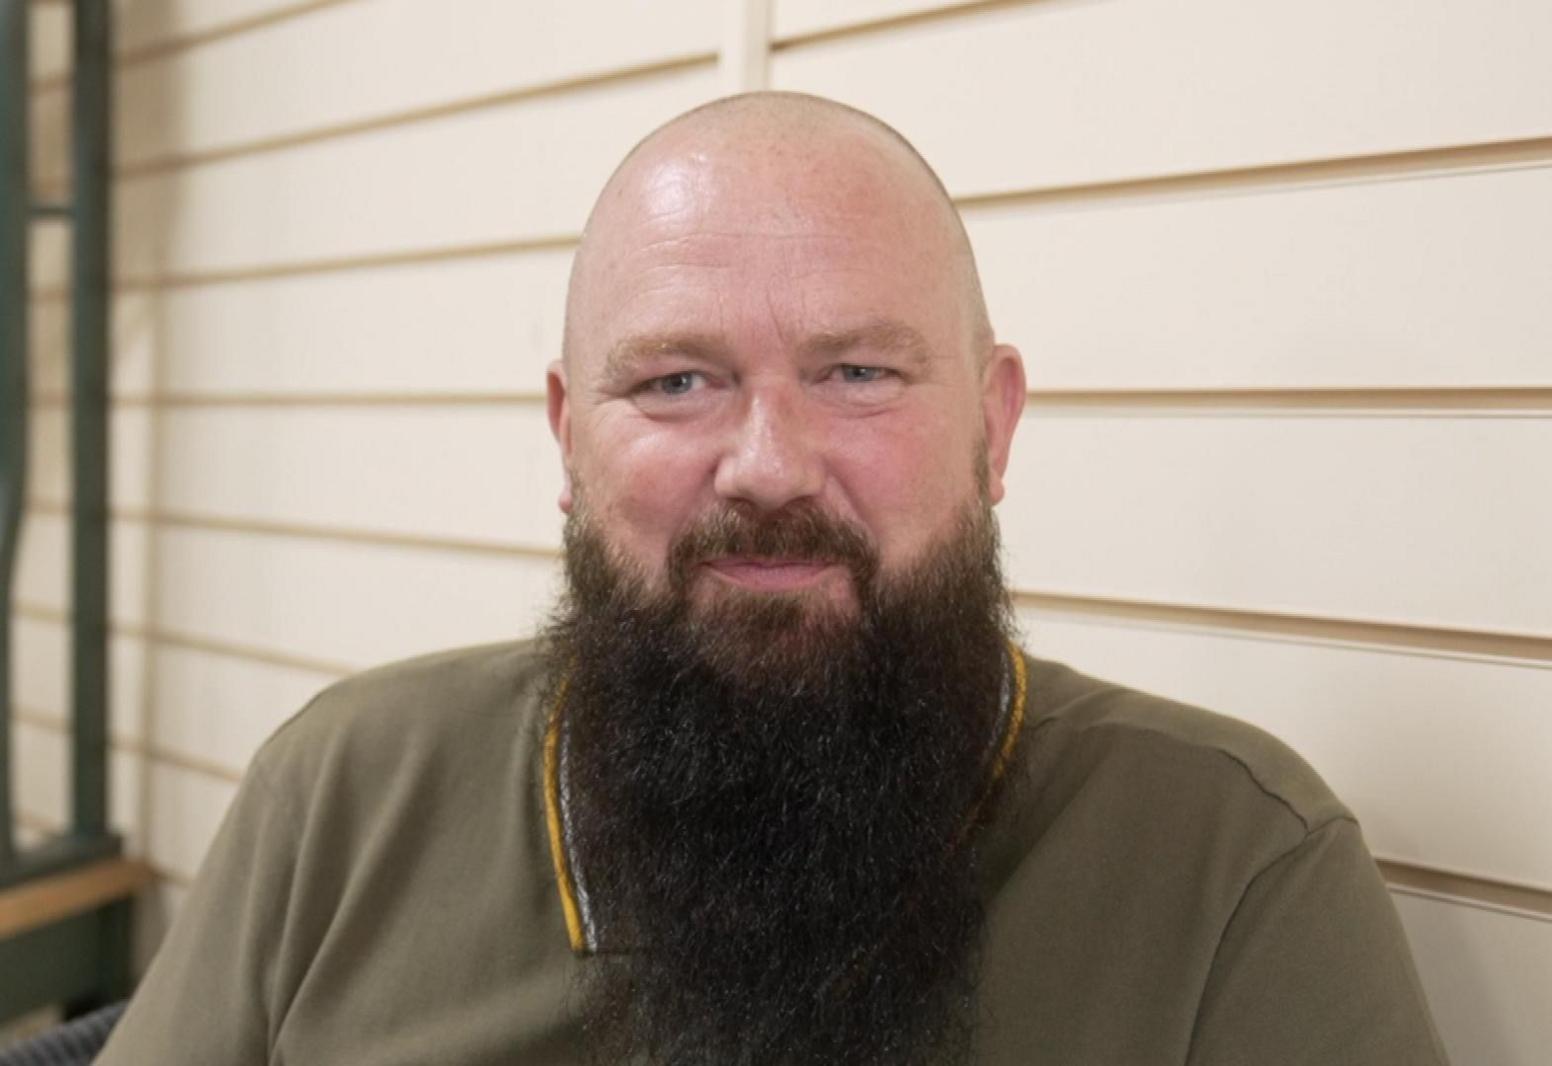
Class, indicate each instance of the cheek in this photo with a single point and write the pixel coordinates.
(642, 486)
(908, 481)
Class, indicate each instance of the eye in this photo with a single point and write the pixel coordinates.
(860, 375)
(677, 394)
(679, 383)
(858, 388)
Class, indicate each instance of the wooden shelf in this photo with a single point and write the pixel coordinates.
(37, 903)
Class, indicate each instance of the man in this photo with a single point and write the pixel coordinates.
(776, 787)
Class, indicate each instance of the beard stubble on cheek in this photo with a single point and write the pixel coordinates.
(775, 798)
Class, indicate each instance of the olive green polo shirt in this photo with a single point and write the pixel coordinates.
(1164, 886)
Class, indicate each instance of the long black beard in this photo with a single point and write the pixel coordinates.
(775, 804)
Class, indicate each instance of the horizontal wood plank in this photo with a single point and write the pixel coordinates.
(34, 904)
(796, 19)
(40, 672)
(1486, 976)
(152, 28)
(48, 42)
(1094, 92)
(299, 599)
(184, 808)
(42, 575)
(1427, 521)
(1506, 898)
(40, 760)
(48, 252)
(486, 474)
(355, 63)
(48, 134)
(189, 703)
(488, 323)
(220, 708)
(466, 178)
(1420, 282)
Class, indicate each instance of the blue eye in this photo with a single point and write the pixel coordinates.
(676, 384)
(861, 375)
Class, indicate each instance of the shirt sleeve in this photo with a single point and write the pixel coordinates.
(1314, 968)
(210, 993)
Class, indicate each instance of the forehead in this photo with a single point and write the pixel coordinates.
(814, 235)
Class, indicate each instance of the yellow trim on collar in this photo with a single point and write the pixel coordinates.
(1015, 724)
(563, 880)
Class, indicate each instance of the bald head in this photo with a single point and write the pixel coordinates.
(775, 309)
(785, 160)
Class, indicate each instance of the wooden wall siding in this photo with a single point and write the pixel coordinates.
(1486, 975)
(149, 28)
(41, 757)
(314, 600)
(1114, 91)
(49, 42)
(1393, 519)
(344, 67)
(798, 21)
(189, 704)
(1434, 280)
(469, 326)
(146, 29)
(41, 680)
(1279, 274)
(473, 471)
(471, 178)
(49, 254)
(1394, 279)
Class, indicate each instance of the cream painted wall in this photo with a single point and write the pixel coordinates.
(1279, 271)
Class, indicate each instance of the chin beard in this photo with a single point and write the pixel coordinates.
(775, 801)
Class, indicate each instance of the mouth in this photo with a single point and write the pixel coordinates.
(772, 574)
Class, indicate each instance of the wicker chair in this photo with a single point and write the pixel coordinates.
(75, 1043)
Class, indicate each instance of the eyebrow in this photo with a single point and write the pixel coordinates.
(880, 335)
(624, 357)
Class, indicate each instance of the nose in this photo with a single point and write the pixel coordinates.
(772, 457)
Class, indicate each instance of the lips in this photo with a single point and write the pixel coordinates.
(783, 551)
(771, 574)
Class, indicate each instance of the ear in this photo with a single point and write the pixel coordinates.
(1002, 402)
(560, 426)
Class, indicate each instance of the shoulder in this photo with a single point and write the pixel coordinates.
(1084, 735)
(1199, 874)
(425, 708)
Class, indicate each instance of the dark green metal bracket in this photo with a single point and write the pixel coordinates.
(83, 957)
(87, 213)
(92, 159)
(14, 231)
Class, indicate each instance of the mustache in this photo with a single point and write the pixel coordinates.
(799, 532)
